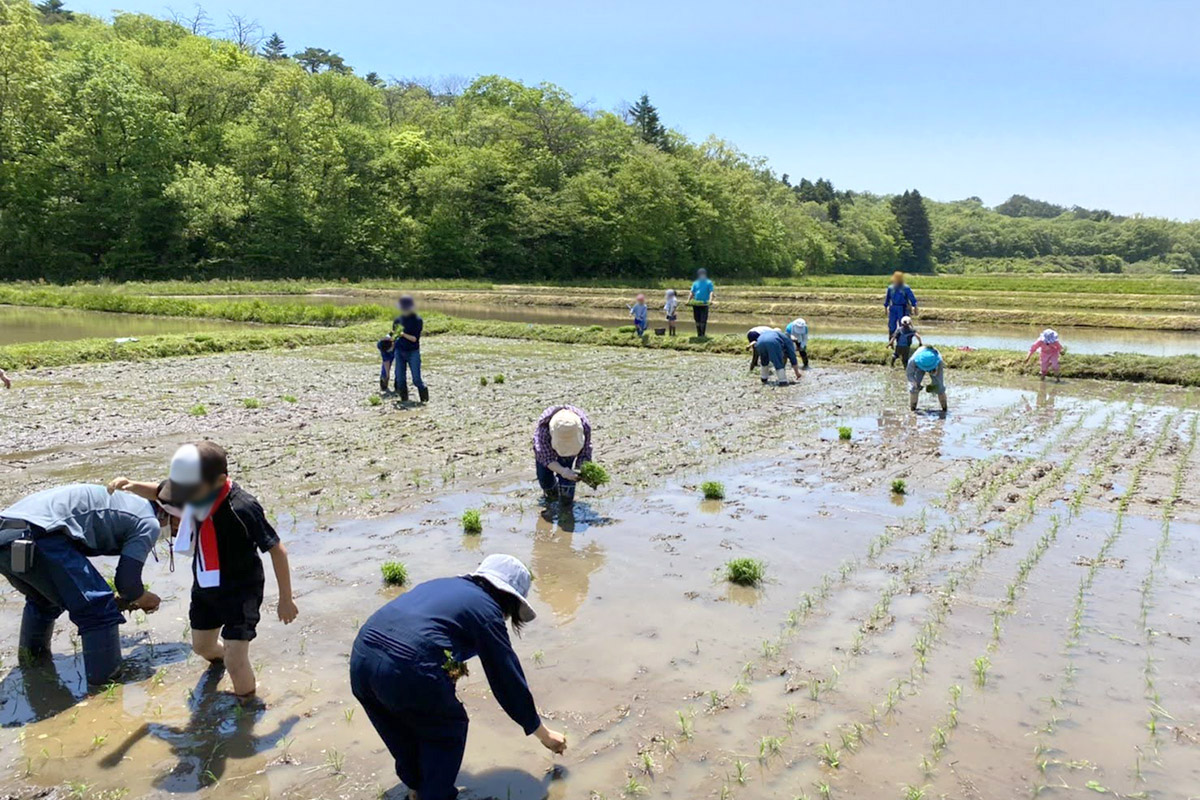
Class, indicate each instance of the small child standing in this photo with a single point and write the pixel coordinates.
(1050, 349)
(672, 309)
(387, 352)
(902, 340)
(640, 314)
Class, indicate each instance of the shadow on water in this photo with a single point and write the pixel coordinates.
(563, 564)
(43, 690)
(219, 729)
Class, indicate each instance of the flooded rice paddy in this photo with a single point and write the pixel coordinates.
(1021, 621)
(19, 324)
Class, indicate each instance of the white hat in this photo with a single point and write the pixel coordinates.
(510, 576)
(906, 320)
(1049, 336)
(566, 433)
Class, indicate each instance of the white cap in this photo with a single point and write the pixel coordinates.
(510, 576)
(566, 433)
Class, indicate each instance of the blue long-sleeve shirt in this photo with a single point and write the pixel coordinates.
(450, 614)
(900, 297)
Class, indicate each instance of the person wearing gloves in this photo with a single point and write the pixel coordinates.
(409, 654)
(797, 331)
(45, 541)
(899, 301)
(1050, 349)
(926, 361)
(773, 349)
(751, 335)
(562, 442)
(901, 341)
(223, 528)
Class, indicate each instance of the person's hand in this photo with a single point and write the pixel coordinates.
(797, 371)
(569, 474)
(287, 610)
(148, 602)
(553, 741)
(119, 484)
(4, 379)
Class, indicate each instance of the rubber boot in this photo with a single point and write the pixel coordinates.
(402, 388)
(781, 378)
(36, 631)
(765, 373)
(101, 655)
(423, 391)
(383, 385)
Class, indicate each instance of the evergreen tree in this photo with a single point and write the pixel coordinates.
(55, 11)
(316, 59)
(916, 231)
(373, 79)
(834, 208)
(644, 118)
(274, 49)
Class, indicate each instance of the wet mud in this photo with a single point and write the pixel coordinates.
(1021, 620)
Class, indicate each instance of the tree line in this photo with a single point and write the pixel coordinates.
(149, 148)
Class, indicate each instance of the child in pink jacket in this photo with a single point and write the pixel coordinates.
(1051, 348)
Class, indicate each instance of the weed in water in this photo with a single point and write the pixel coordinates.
(845, 432)
(899, 486)
(713, 490)
(197, 410)
(375, 400)
(394, 573)
(593, 474)
(745, 571)
(472, 523)
(251, 402)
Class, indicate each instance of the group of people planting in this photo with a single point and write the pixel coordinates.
(406, 658)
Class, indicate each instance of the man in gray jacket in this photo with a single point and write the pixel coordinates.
(45, 542)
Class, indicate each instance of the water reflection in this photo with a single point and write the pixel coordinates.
(563, 569)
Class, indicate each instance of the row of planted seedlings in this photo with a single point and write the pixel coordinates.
(1155, 712)
(854, 734)
(979, 667)
(1060, 701)
(770, 747)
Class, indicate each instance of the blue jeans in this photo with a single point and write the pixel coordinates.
(410, 359)
(385, 370)
(427, 736)
(62, 579)
(555, 486)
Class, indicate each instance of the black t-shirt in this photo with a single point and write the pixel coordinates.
(242, 532)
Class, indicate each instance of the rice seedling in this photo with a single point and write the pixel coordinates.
(394, 573)
(251, 402)
(769, 747)
(770, 649)
(483, 381)
(790, 715)
(472, 522)
(814, 690)
(741, 772)
(739, 687)
(981, 666)
(938, 739)
(348, 713)
(687, 725)
(899, 486)
(98, 741)
(539, 657)
(824, 790)
(845, 432)
(335, 761)
(375, 400)
(110, 692)
(828, 755)
(197, 410)
(745, 571)
(648, 765)
(593, 474)
(914, 792)
(927, 767)
(498, 379)
(713, 490)
(289, 398)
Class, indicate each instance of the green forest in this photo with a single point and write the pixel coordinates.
(138, 149)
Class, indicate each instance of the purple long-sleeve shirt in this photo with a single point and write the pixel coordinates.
(543, 451)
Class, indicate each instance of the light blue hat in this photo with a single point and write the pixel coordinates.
(927, 359)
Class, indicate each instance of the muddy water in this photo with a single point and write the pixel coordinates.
(944, 334)
(635, 622)
(23, 324)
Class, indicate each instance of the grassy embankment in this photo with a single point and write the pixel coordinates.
(327, 324)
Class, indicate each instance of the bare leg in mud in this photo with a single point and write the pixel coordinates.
(235, 655)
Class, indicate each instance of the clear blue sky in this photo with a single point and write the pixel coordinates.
(1073, 101)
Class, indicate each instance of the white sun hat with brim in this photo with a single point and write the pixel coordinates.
(1049, 336)
(566, 433)
(509, 575)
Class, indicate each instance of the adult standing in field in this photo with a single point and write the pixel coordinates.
(408, 656)
(899, 301)
(562, 442)
(926, 361)
(407, 329)
(700, 298)
(45, 542)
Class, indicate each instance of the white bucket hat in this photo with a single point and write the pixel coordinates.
(566, 433)
(510, 576)
(906, 320)
(1049, 336)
